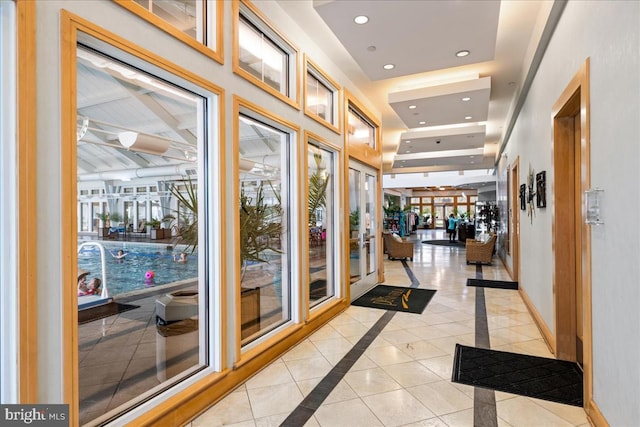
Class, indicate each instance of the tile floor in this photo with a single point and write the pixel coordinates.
(404, 377)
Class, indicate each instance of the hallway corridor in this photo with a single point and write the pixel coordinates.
(404, 377)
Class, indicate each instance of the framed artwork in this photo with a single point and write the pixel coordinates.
(541, 189)
(523, 197)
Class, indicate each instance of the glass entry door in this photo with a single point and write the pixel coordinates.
(363, 241)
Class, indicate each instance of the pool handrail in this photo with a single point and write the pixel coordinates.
(105, 291)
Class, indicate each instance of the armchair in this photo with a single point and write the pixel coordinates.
(480, 252)
(397, 249)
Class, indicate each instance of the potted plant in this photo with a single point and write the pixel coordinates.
(103, 225)
(153, 226)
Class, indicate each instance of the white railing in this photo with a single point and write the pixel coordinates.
(103, 259)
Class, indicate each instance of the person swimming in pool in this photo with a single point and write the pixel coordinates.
(182, 258)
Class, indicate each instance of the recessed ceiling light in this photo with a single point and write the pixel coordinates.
(361, 19)
(462, 53)
(408, 151)
(438, 142)
(407, 142)
(422, 123)
(371, 48)
(411, 107)
(466, 98)
(468, 117)
(388, 66)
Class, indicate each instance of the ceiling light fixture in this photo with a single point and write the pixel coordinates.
(466, 98)
(388, 66)
(422, 123)
(411, 107)
(361, 19)
(468, 118)
(462, 53)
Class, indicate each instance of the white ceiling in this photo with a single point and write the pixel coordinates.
(421, 39)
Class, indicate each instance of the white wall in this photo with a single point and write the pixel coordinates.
(607, 33)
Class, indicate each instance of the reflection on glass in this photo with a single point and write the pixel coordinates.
(370, 222)
(360, 130)
(261, 57)
(152, 345)
(354, 225)
(319, 99)
(185, 15)
(264, 231)
(321, 176)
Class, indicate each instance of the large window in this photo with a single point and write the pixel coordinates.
(265, 224)
(321, 97)
(263, 55)
(141, 159)
(321, 206)
(198, 23)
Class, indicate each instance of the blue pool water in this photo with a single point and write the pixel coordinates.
(129, 274)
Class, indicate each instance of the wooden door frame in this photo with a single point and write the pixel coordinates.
(514, 180)
(569, 216)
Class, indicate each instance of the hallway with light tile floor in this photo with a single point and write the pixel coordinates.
(404, 377)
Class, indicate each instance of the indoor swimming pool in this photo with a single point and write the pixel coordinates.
(144, 265)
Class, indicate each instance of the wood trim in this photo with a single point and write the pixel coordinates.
(338, 92)
(291, 101)
(26, 100)
(362, 152)
(575, 99)
(69, 255)
(594, 415)
(216, 53)
(514, 170)
(70, 26)
(546, 333)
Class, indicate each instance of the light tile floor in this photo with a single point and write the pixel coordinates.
(404, 377)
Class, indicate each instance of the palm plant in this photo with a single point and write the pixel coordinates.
(318, 184)
(187, 229)
(259, 226)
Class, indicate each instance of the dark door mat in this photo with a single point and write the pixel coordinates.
(396, 298)
(455, 243)
(500, 284)
(539, 377)
(102, 311)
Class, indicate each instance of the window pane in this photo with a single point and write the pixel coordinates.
(185, 15)
(153, 344)
(322, 182)
(354, 225)
(360, 130)
(319, 99)
(264, 228)
(262, 58)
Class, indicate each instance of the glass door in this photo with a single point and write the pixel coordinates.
(363, 241)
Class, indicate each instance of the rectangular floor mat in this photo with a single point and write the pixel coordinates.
(500, 284)
(397, 298)
(539, 377)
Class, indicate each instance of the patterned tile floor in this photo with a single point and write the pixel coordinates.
(404, 377)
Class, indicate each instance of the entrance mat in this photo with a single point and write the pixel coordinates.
(102, 311)
(396, 298)
(539, 377)
(500, 284)
(455, 243)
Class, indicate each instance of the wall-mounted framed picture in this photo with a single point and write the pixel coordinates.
(523, 197)
(541, 189)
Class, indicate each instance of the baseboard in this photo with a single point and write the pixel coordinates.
(595, 416)
(548, 337)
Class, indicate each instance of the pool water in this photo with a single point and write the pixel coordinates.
(130, 273)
